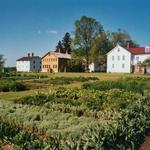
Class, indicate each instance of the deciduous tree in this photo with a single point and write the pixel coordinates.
(86, 31)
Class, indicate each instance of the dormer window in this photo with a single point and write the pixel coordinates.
(118, 49)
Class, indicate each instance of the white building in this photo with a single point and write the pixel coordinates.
(29, 63)
(96, 67)
(125, 60)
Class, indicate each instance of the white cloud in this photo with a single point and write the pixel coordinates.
(52, 31)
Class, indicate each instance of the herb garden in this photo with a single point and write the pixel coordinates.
(98, 115)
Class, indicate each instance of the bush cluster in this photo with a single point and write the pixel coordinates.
(64, 80)
(114, 99)
(126, 132)
(128, 84)
(10, 85)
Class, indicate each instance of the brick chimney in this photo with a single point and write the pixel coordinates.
(128, 45)
(28, 54)
(32, 54)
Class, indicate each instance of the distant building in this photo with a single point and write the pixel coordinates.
(55, 62)
(96, 67)
(126, 60)
(29, 63)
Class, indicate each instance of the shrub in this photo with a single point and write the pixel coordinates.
(9, 85)
(128, 84)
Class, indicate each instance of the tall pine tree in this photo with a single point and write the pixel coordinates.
(59, 47)
(67, 43)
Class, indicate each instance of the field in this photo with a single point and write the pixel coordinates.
(74, 111)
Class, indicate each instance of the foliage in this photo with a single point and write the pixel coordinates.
(127, 132)
(114, 99)
(59, 47)
(113, 116)
(10, 85)
(123, 38)
(86, 30)
(65, 45)
(146, 63)
(65, 80)
(128, 84)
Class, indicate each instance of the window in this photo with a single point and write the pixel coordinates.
(123, 65)
(113, 66)
(118, 49)
(123, 57)
(34, 62)
(113, 58)
(137, 58)
(118, 57)
(34, 67)
(54, 66)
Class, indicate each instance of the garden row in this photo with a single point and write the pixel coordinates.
(70, 100)
(126, 132)
(64, 80)
(136, 84)
(10, 84)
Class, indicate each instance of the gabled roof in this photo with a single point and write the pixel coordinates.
(28, 58)
(138, 50)
(134, 51)
(59, 55)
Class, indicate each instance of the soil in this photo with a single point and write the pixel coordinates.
(7, 147)
(146, 144)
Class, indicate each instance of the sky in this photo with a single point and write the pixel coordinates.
(37, 25)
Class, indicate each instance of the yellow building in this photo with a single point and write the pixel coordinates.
(55, 62)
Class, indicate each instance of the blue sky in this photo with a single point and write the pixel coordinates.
(37, 25)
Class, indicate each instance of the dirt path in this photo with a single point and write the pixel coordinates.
(146, 144)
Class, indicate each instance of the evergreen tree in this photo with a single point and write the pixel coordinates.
(67, 43)
(59, 47)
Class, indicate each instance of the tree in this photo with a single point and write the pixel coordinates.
(2, 61)
(123, 38)
(86, 31)
(59, 47)
(146, 63)
(101, 47)
(67, 43)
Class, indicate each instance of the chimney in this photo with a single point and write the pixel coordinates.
(28, 54)
(128, 45)
(32, 54)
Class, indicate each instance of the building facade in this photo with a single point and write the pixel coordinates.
(29, 63)
(55, 62)
(126, 60)
(96, 67)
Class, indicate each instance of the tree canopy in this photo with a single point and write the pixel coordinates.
(146, 63)
(92, 42)
(123, 38)
(86, 31)
(64, 46)
(59, 47)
